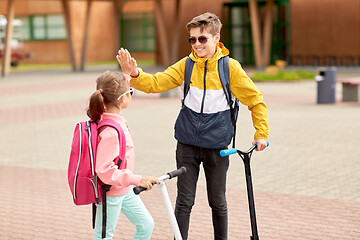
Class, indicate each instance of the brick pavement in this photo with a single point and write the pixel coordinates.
(306, 184)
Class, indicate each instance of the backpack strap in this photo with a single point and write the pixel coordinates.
(93, 215)
(121, 134)
(187, 78)
(223, 65)
(105, 188)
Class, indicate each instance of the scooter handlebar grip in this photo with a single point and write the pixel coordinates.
(138, 190)
(228, 152)
(267, 144)
(177, 172)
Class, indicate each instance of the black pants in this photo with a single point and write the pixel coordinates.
(215, 168)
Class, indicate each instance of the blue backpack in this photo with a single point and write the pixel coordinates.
(223, 65)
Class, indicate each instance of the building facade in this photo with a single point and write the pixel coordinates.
(304, 32)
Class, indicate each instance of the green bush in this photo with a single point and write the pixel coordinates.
(51, 66)
(283, 75)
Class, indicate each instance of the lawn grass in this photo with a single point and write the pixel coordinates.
(283, 75)
(22, 67)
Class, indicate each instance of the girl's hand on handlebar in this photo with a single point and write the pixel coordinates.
(147, 182)
(261, 144)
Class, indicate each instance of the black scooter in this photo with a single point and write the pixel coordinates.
(246, 156)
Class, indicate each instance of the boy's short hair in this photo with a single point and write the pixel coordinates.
(205, 21)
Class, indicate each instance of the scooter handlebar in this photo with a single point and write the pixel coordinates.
(230, 151)
(267, 144)
(138, 190)
(177, 172)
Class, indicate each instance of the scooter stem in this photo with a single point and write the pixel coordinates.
(170, 210)
(246, 159)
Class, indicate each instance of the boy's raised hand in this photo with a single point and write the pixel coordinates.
(127, 63)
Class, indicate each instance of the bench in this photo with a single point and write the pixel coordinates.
(350, 89)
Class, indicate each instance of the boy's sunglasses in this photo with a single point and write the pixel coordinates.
(201, 39)
(131, 91)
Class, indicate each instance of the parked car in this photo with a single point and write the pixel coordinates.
(17, 54)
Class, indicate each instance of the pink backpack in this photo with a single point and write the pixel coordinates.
(85, 185)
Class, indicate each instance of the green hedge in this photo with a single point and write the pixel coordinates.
(283, 75)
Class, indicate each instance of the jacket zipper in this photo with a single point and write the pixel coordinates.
(202, 102)
(77, 167)
(94, 183)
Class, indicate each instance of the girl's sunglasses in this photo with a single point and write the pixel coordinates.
(201, 39)
(131, 91)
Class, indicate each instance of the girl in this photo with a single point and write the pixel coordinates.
(113, 94)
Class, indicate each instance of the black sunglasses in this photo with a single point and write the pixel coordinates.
(201, 39)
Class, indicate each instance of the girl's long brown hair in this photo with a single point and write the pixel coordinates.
(109, 86)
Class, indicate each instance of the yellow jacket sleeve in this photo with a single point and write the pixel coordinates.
(171, 78)
(248, 94)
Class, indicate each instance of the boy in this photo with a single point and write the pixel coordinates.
(202, 127)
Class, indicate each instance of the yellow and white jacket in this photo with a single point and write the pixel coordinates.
(204, 120)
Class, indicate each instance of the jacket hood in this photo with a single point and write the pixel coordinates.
(221, 51)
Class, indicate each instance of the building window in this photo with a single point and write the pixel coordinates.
(43, 27)
(138, 32)
(238, 35)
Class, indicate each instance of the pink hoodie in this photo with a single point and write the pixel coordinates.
(108, 150)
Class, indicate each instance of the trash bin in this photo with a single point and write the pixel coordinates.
(326, 82)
